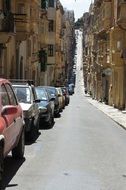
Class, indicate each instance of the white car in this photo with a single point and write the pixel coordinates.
(27, 98)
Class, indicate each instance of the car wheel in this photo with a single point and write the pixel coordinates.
(18, 151)
(1, 165)
(51, 120)
(37, 125)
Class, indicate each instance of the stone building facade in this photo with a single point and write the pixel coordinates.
(105, 55)
(28, 33)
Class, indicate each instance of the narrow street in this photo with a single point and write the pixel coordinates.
(85, 150)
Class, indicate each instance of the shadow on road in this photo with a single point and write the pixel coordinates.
(45, 126)
(28, 141)
(11, 167)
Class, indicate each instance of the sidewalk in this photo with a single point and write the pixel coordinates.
(115, 114)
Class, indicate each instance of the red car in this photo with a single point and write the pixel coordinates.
(11, 124)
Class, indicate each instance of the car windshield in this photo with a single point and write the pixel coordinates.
(23, 94)
(41, 94)
(59, 91)
(52, 91)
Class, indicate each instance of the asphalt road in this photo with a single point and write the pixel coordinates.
(85, 150)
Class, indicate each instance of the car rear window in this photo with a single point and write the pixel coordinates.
(23, 94)
(41, 94)
(52, 91)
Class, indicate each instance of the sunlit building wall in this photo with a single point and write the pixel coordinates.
(107, 68)
(60, 64)
(7, 39)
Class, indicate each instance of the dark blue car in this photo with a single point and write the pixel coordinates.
(46, 106)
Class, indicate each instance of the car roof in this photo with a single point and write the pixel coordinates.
(49, 86)
(40, 87)
(20, 85)
(22, 82)
(53, 87)
(2, 80)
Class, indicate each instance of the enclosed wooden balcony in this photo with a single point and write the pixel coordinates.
(105, 17)
(7, 27)
(97, 2)
(22, 26)
(44, 4)
(121, 20)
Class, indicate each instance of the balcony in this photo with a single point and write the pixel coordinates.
(44, 7)
(6, 26)
(121, 20)
(122, 2)
(44, 4)
(104, 19)
(97, 2)
(22, 26)
(107, 23)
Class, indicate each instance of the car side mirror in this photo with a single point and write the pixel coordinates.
(37, 101)
(52, 99)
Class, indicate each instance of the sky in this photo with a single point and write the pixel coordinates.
(79, 6)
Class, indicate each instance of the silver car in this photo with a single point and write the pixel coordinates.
(27, 98)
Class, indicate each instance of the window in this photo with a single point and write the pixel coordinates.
(50, 50)
(41, 94)
(4, 96)
(11, 94)
(23, 94)
(6, 5)
(21, 8)
(34, 93)
(51, 3)
(51, 25)
(44, 4)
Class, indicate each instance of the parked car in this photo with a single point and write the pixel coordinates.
(46, 106)
(26, 94)
(71, 88)
(66, 95)
(53, 93)
(61, 98)
(11, 124)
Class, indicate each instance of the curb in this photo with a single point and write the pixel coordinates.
(113, 113)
